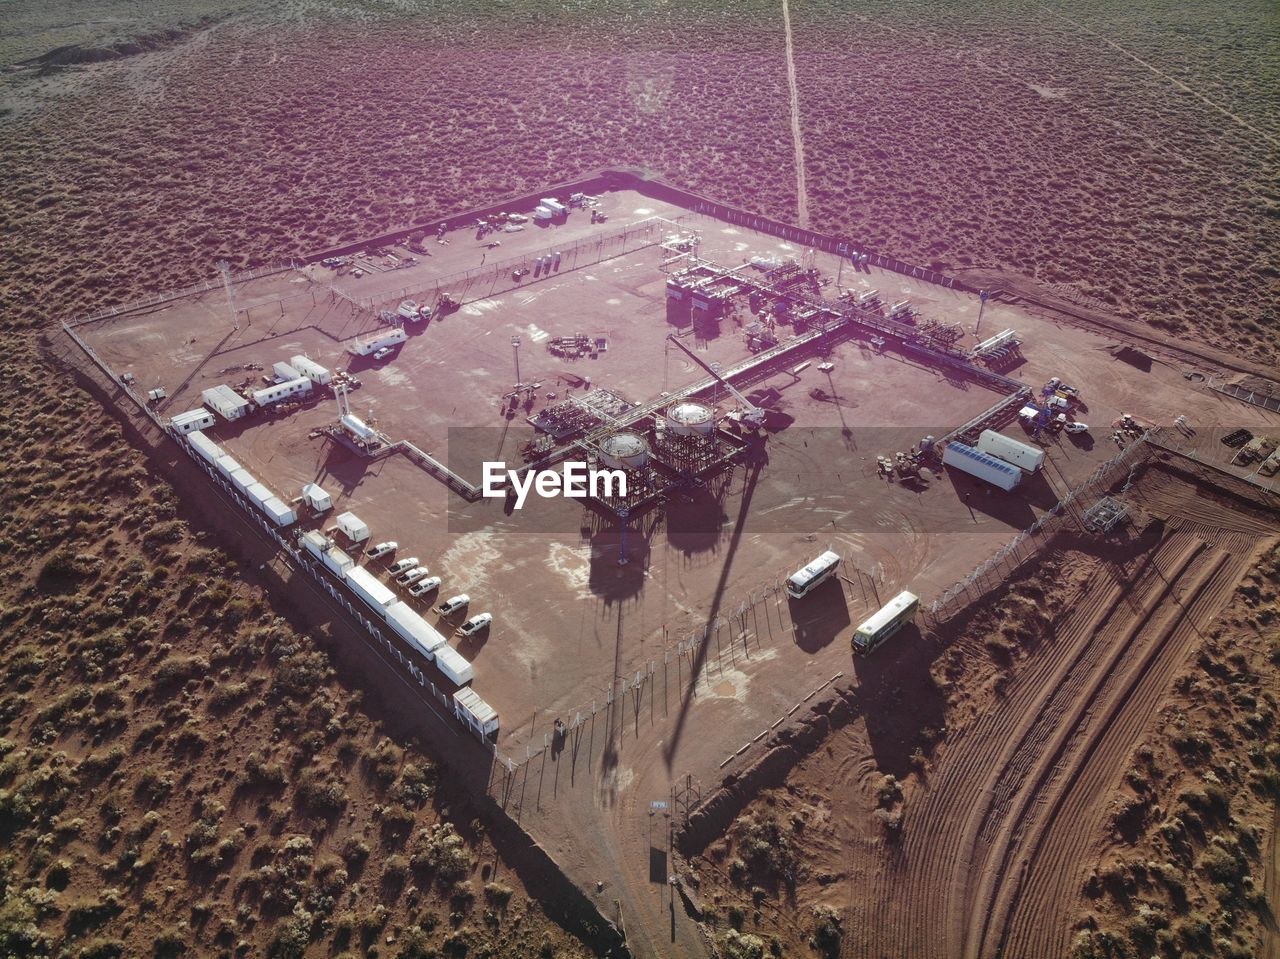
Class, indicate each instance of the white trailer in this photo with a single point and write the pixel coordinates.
(475, 713)
(282, 391)
(317, 374)
(353, 527)
(225, 401)
(982, 465)
(192, 420)
(278, 512)
(206, 447)
(414, 630)
(337, 561)
(1028, 458)
(378, 341)
(554, 205)
(284, 372)
(454, 665)
(375, 594)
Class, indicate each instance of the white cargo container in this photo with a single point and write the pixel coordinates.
(242, 479)
(228, 465)
(225, 401)
(353, 527)
(554, 205)
(312, 370)
(279, 513)
(479, 716)
(454, 665)
(282, 391)
(378, 341)
(285, 372)
(206, 447)
(415, 630)
(1029, 458)
(376, 594)
(337, 561)
(192, 420)
(259, 493)
(982, 465)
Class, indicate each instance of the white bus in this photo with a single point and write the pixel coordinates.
(802, 581)
(892, 616)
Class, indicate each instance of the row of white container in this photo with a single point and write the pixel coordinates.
(262, 497)
(400, 616)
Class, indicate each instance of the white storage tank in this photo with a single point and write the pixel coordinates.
(454, 665)
(358, 427)
(624, 450)
(375, 594)
(192, 420)
(1029, 458)
(982, 465)
(689, 418)
(479, 716)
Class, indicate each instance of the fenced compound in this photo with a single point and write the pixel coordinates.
(497, 277)
(1267, 399)
(1068, 513)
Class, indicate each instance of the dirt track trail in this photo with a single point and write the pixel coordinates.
(1018, 801)
(797, 136)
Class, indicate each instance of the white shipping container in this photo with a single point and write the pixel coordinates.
(259, 493)
(376, 594)
(415, 630)
(478, 715)
(280, 514)
(454, 665)
(314, 542)
(227, 465)
(353, 527)
(242, 480)
(206, 447)
(982, 465)
(1029, 458)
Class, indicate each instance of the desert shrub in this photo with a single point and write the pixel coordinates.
(101, 949)
(440, 850)
(827, 934)
(498, 893)
(766, 850)
(289, 939)
(738, 945)
(178, 669)
(354, 852)
(91, 913)
(321, 792)
(1098, 944)
(1223, 865)
(259, 772)
(383, 762)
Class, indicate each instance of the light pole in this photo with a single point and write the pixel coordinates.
(982, 302)
(515, 348)
(623, 514)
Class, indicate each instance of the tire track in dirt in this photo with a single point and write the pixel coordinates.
(1036, 922)
(797, 136)
(1080, 756)
(1076, 701)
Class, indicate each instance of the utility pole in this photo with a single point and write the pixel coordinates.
(225, 268)
(515, 347)
(982, 302)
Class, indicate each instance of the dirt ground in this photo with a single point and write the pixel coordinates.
(1008, 831)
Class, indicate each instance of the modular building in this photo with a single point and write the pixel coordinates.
(982, 465)
(206, 447)
(1029, 458)
(479, 716)
(226, 402)
(282, 391)
(454, 665)
(279, 513)
(312, 370)
(353, 527)
(284, 372)
(414, 630)
(192, 420)
(378, 341)
(317, 498)
(376, 595)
